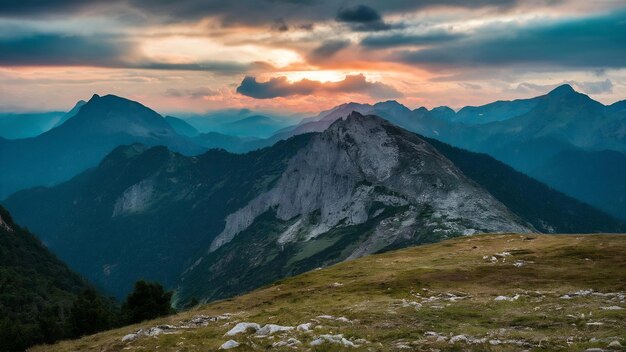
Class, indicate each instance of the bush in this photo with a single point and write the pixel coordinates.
(90, 314)
(147, 301)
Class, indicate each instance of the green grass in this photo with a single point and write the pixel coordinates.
(373, 289)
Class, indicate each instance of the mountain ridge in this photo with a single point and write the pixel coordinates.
(161, 207)
(100, 125)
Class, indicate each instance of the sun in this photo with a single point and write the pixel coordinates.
(318, 75)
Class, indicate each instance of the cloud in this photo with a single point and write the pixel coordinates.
(591, 87)
(327, 50)
(593, 42)
(195, 93)
(470, 86)
(401, 39)
(362, 18)
(358, 14)
(599, 87)
(54, 49)
(280, 25)
(248, 12)
(281, 87)
(220, 67)
(97, 51)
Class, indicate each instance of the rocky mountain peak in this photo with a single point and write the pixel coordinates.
(565, 93)
(363, 162)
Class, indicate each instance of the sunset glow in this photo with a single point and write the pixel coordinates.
(413, 52)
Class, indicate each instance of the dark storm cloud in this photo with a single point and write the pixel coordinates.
(251, 12)
(327, 50)
(585, 43)
(399, 39)
(52, 49)
(358, 14)
(39, 7)
(97, 51)
(362, 18)
(281, 87)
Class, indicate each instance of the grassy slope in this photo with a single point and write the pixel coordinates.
(373, 289)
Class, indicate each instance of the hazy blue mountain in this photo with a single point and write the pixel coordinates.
(443, 113)
(182, 127)
(82, 141)
(210, 121)
(252, 126)
(564, 116)
(562, 124)
(36, 289)
(418, 120)
(496, 111)
(618, 109)
(598, 177)
(25, 125)
(547, 209)
(152, 213)
(241, 123)
(71, 113)
(213, 140)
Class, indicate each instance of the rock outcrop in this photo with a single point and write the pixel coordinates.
(361, 166)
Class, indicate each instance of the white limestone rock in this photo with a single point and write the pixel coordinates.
(229, 344)
(242, 328)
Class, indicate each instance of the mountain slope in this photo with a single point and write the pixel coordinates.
(181, 126)
(36, 289)
(25, 125)
(496, 111)
(360, 187)
(546, 209)
(443, 296)
(564, 115)
(214, 140)
(252, 126)
(82, 141)
(146, 213)
(242, 123)
(599, 177)
(15, 126)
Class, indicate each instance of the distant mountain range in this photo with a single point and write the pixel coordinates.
(528, 134)
(218, 224)
(182, 127)
(25, 125)
(82, 141)
(241, 123)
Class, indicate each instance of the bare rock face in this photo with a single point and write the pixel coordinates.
(362, 166)
(4, 225)
(135, 199)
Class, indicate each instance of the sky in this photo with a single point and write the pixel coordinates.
(304, 56)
